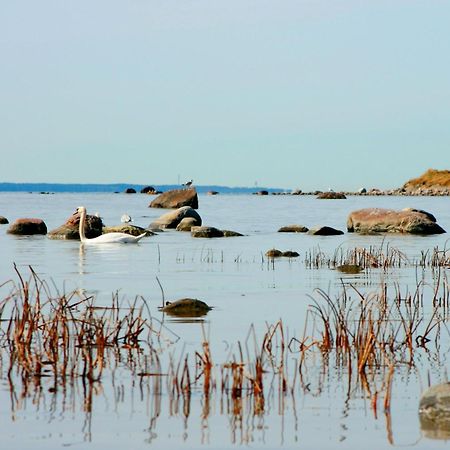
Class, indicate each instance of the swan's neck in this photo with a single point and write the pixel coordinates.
(81, 227)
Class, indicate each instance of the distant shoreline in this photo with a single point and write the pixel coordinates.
(122, 187)
(53, 188)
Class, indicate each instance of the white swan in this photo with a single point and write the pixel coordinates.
(108, 238)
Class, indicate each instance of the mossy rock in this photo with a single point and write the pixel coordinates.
(132, 230)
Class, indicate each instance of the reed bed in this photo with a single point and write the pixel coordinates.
(382, 257)
(361, 341)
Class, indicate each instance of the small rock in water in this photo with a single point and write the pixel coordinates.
(3, 220)
(350, 268)
(274, 253)
(186, 307)
(293, 229)
(324, 231)
(290, 254)
(434, 412)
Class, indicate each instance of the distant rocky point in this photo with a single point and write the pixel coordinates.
(432, 182)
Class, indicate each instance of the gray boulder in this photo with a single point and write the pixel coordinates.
(176, 198)
(173, 218)
(26, 226)
(378, 220)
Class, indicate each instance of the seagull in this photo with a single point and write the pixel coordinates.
(126, 219)
(188, 183)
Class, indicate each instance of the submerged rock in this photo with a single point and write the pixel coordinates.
(26, 226)
(186, 307)
(293, 229)
(350, 268)
(206, 232)
(231, 233)
(434, 411)
(3, 220)
(176, 198)
(378, 220)
(133, 230)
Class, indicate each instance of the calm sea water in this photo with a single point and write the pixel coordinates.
(245, 289)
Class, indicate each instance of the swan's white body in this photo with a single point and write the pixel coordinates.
(108, 238)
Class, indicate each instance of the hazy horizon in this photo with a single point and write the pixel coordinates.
(298, 94)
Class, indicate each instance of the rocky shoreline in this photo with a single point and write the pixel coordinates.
(425, 192)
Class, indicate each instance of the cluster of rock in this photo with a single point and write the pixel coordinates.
(184, 217)
(145, 190)
(378, 220)
(320, 230)
(188, 219)
(275, 253)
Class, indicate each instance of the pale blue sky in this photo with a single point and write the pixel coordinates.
(290, 93)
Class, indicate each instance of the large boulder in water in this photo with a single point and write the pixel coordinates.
(173, 218)
(26, 226)
(69, 230)
(176, 198)
(378, 220)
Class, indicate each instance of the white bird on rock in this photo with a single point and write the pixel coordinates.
(188, 183)
(108, 238)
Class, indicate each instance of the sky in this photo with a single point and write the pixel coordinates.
(296, 94)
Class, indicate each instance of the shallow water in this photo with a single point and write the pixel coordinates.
(244, 288)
